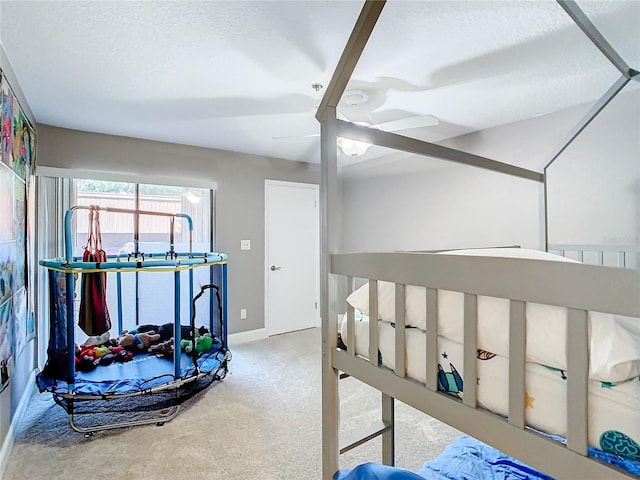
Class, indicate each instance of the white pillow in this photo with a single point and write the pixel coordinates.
(615, 348)
(415, 297)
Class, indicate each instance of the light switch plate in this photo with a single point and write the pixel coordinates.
(245, 244)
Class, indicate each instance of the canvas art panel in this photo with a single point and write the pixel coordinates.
(7, 259)
(23, 143)
(17, 218)
(31, 259)
(19, 308)
(6, 126)
(6, 204)
(6, 343)
(20, 233)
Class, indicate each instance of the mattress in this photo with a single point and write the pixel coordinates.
(614, 339)
(614, 416)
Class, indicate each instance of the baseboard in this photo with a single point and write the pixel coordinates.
(245, 337)
(7, 445)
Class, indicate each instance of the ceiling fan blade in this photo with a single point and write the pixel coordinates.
(417, 121)
(297, 136)
(339, 115)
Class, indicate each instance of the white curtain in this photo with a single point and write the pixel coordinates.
(50, 244)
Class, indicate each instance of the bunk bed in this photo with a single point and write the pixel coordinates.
(383, 353)
(136, 384)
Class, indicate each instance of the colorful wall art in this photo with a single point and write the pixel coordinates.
(17, 259)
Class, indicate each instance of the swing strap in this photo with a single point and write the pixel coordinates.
(94, 318)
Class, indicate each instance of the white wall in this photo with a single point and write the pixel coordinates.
(594, 188)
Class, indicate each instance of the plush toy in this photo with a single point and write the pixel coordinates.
(166, 331)
(101, 351)
(86, 359)
(88, 353)
(97, 340)
(203, 343)
(85, 365)
(124, 356)
(107, 359)
(137, 341)
(145, 329)
(162, 349)
(121, 354)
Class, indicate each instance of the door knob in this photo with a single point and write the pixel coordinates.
(274, 268)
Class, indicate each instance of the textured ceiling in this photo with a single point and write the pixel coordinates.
(234, 74)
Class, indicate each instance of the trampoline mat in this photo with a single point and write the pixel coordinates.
(142, 373)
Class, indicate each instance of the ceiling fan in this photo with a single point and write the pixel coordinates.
(353, 99)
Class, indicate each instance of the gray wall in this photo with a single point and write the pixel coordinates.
(454, 207)
(239, 195)
(594, 188)
(25, 363)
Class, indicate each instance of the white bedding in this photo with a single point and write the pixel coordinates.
(614, 415)
(614, 340)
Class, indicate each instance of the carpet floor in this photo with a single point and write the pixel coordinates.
(262, 421)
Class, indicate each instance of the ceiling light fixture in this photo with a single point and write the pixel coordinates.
(354, 148)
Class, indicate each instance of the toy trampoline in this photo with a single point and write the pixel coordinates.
(145, 388)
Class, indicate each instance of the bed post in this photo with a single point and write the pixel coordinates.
(329, 243)
(388, 437)
(582, 124)
(544, 213)
(583, 22)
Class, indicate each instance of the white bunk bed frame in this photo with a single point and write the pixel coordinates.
(579, 287)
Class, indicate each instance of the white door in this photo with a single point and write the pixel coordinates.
(292, 256)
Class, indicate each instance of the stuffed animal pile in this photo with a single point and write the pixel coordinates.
(89, 357)
(153, 339)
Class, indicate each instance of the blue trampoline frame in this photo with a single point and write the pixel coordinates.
(66, 391)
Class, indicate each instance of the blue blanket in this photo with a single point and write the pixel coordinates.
(373, 471)
(468, 459)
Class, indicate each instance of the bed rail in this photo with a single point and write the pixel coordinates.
(564, 284)
(579, 287)
(623, 256)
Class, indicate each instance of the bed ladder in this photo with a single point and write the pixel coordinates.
(384, 427)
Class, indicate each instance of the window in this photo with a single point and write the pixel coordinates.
(118, 229)
(147, 298)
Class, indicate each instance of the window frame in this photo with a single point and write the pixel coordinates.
(72, 195)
